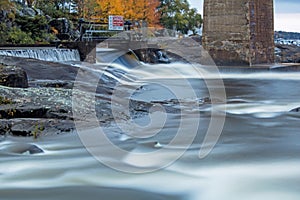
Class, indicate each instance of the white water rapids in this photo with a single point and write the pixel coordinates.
(256, 157)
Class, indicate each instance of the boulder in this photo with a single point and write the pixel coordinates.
(152, 55)
(295, 109)
(21, 148)
(12, 76)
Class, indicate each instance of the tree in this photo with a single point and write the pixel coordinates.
(52, 8)
(194, 20)
(131, 9)
(178, 14)
(152, 13)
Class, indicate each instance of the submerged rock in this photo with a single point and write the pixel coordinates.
(295, 110)
(21, 148)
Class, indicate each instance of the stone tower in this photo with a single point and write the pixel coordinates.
(239, 32)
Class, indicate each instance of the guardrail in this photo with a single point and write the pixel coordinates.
(95, 31)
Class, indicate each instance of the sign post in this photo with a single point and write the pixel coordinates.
(115, 23)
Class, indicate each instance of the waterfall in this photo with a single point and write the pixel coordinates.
(51, 54)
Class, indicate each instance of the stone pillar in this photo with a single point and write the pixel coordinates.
(239, 32)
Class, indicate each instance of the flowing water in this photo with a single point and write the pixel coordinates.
(46, 54)
(256, 157)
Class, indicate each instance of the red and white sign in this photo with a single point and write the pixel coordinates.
(115, 23)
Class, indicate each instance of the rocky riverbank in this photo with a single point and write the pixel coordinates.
(40, 103)
(287, 53)
(36, 97)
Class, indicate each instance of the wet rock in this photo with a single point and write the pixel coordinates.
(28, 111)
(22, 129)
(12, 76)
(33, 111)
(21, 148)
(42, 71)
(45, 111)
(4, 127)
(36, 127)
(295, 110)
(162, 57)
(152, 55)
(59, 113)
(33, 149)
(287, 53)
(53, 84)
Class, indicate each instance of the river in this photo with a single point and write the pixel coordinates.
(254, 156)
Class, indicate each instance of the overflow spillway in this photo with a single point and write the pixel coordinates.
(46, 54)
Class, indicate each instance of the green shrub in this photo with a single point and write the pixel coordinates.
(37, 25)
(29, 30)
(17, 36)
(3, 33)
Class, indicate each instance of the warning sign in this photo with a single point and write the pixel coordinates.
(115, 23)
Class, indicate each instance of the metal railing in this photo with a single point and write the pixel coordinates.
(96, 31)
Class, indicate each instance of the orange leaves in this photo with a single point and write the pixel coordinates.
(130, 9)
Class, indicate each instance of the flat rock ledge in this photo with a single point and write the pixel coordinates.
(38, 112)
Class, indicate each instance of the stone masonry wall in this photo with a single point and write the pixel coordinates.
(262, 31)
(239, 32)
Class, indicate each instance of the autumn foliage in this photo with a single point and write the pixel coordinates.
(131, 9)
